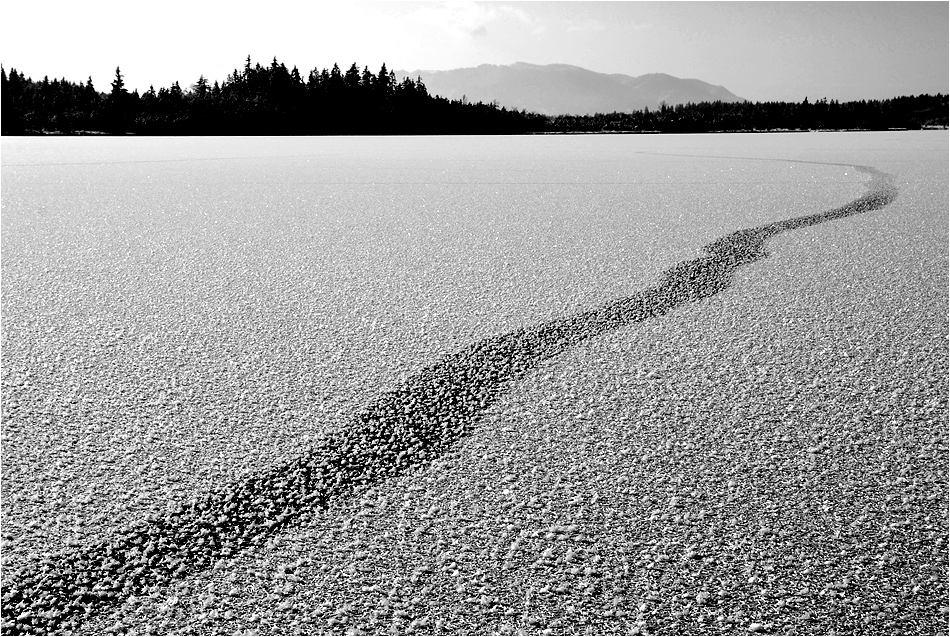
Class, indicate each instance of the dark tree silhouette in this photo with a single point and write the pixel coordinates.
(118, 84)
(272, 100)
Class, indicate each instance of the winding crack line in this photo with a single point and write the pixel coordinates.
(404, 428)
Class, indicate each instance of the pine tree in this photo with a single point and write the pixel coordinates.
(352, 79)
(384, 82)
(118, 114)
(118, 85)
(201, 87)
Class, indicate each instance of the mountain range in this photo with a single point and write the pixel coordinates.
(563, 89)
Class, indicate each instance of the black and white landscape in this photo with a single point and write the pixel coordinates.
(293, 344)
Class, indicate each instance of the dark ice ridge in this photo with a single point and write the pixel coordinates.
(404, 428)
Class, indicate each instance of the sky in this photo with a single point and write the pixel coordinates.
(761, 51)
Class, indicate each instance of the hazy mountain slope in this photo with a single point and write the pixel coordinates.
(564, 89)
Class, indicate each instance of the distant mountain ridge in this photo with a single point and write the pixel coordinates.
(563, 89)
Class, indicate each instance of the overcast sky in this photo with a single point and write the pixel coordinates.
(758, 50)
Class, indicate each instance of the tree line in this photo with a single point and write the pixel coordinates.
(255, 100)
(275, 100)
(908, 112)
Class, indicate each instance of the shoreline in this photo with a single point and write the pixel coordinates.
(602, 132)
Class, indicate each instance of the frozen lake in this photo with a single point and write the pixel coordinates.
(181, 312)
